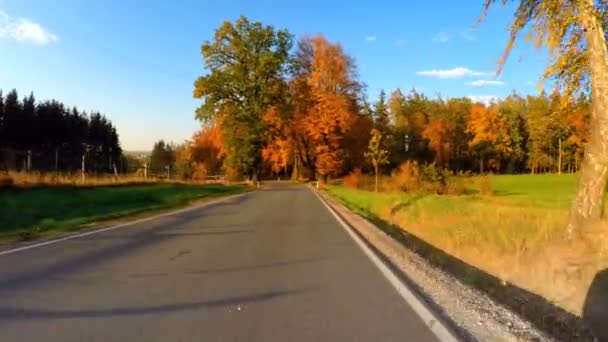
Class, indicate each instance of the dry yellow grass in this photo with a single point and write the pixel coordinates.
(29, 179)
(33, 179)
(515, 234)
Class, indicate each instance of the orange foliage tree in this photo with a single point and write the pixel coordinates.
(207, 151)
(438, 132)
(332, 108)
(278, 149)
(490, 136)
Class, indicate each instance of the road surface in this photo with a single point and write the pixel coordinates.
(272, 265)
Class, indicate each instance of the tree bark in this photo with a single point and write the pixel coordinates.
(559, 158)
(376, 186)
(588, 203)
(295, 173)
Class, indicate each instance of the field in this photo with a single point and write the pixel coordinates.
(514, 233)
(29, 211)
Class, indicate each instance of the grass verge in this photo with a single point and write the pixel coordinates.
(28, 212)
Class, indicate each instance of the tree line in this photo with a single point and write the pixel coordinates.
(271, 108)
(50, 136)
(517, 134)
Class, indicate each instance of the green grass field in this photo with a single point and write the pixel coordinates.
(30, 211)
(549, 190)
(522, 207)
(516, 233)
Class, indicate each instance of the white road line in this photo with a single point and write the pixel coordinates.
(433, 323)
(130, 223)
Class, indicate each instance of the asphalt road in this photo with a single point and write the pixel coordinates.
(272, 265)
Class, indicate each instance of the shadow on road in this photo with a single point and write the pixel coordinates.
(129, 242)
(257, 267)
(227, 232)
(595, 311)
(25, 314)
(223, 270)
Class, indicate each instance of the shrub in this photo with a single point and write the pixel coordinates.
(484, 185)
(456, 186)
(433, 174)
(353, 179)
(434, 179)
(407, 177)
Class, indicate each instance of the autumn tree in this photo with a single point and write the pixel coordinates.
(558, 126)
(356, 141)
(207, 151)
(574, 33)
(376, 155)
(183, 165)
(456, 112)
(578, 119)
(490, 138)
(514, 109)
(438, 132)
(538, 120)
(278, 148)
(247, 64)
(333, 108)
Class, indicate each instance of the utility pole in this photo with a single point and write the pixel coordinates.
(82, 169)
(56, 159)
(146, 170)
(110, 162)
(29, 160)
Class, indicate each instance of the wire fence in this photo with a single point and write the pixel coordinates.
(26, 167)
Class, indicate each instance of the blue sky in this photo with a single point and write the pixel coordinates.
(136, 60)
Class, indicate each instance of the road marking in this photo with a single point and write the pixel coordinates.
(130, 223)
(432, 322)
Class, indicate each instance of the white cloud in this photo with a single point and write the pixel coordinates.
(485, 99)
(483, 83)
(24, 30)
(442, 37)
(468, 34)
(459, 72)
(371, 38)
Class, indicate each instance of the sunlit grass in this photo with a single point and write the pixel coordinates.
(516, 233)
(40, 209)
(33, 179)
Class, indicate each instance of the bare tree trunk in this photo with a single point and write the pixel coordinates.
(588, 204)
(295, 173)
(559, 158)
(376, 172)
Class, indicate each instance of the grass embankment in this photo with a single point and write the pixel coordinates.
(515, 233)
(26, 212)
